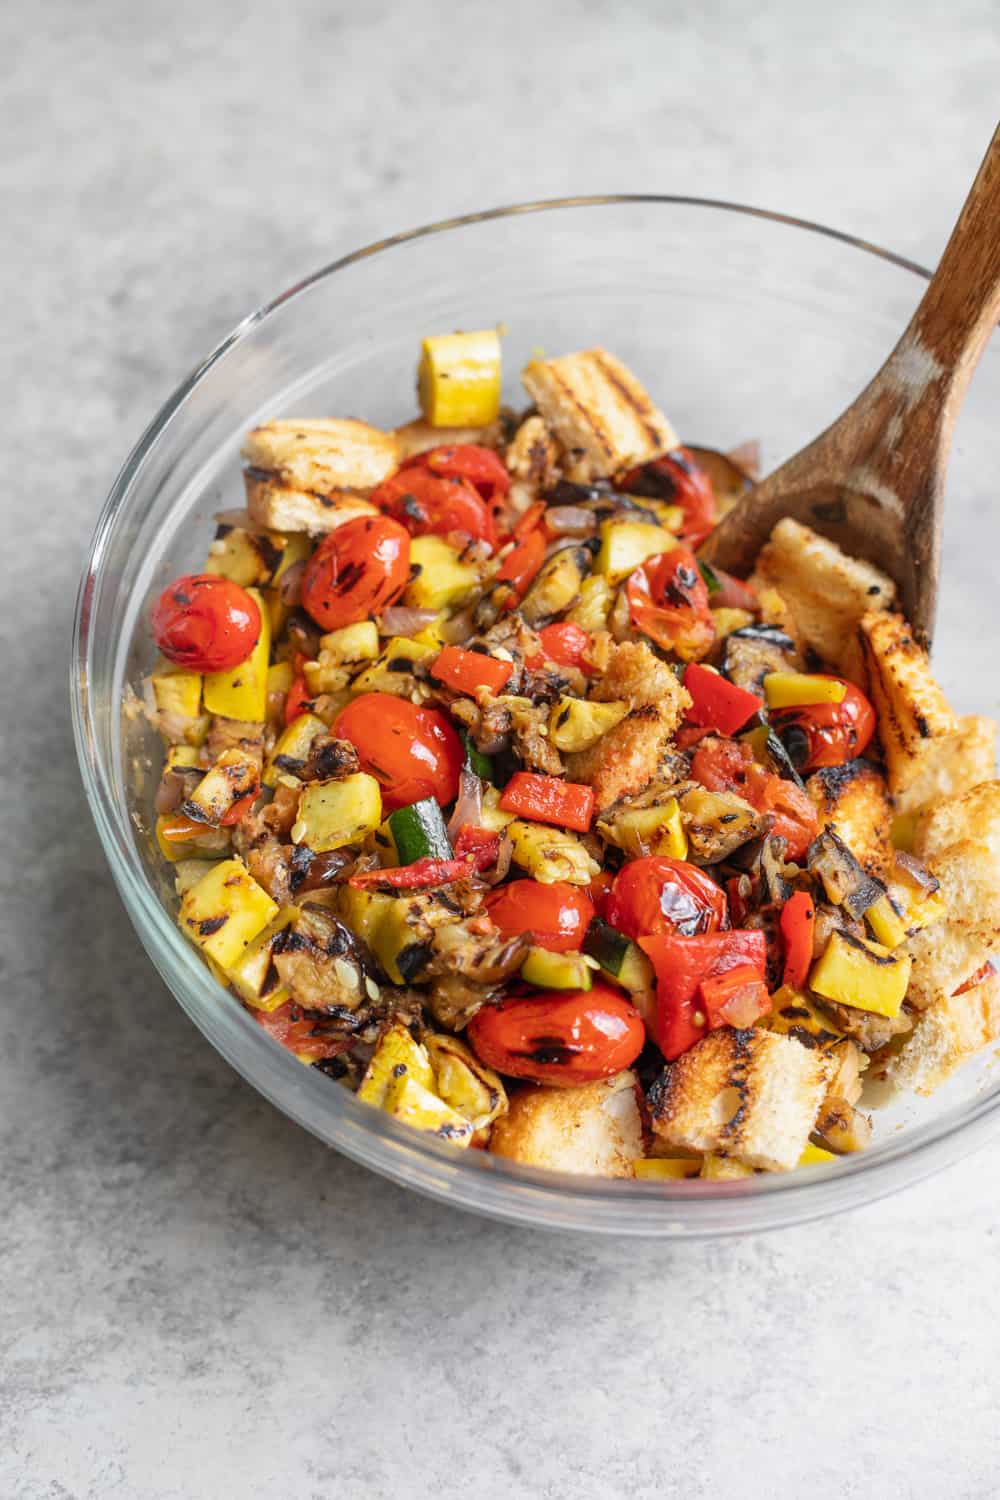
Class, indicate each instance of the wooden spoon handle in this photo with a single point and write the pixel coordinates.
(961, 306)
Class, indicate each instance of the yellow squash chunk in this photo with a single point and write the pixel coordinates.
(412, 1104)
(724, 1168)
(178, 692)
(440, 577)
(649, 830)
(365, 912)
(667, 1168)
(465, 1083)
(793, 1013)
(493, 817)
(182, 757)
(233, 776)
(352, 643)
(813, 1156)
(295, 546)
(458, 379)
(225, 911)
(888, 927)
(792, 689)
(335, 813)
(551, 854)
(280, 677)
(726, 620)
(594, 605)
(207, 843)
(865, 975)
(626, 544)
(903, 830)
(242, 693)
(432, 633)
(396, 1049)
(576, 724)
(254, 976)
(392, 672)
(245, 557)
(292, 749)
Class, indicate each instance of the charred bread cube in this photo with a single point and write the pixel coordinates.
(853, 800)
(826, 591)
(953, 764)
(602, 415)
(948, 1032)
(914, 717)
(594, 1129)
(753, 1095)
(311, 474)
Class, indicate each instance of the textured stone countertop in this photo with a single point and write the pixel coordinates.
(200, 1301)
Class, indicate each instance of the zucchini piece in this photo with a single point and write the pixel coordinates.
(556, 971)
(242, 692)
(618, 956)
(419, 832)
(225, 911)
(594, 606)
(475, 760)
(557, 585)
(396, 1055)
(862, 974)
(551, 854)
(458, 379)
(578, 724)
(393, 671)
(626, 544)
(335, 813)
(291, 751)
(440, 577)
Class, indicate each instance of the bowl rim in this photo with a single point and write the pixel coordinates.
(476, 1180)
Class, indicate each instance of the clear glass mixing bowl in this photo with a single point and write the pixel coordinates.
(743, 324)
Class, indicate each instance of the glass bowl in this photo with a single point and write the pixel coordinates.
(743, 324)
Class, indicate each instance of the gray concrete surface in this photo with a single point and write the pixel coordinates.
(200, 1302)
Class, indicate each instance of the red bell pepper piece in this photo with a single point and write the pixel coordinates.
(420, 873)
(468, 671)
(717, 703)
(532, 517)
(297, 700)
(797, 918)
(477, 844)
(239, 809)
(520, 565)
(545, 799)
(682, 964)
(738, 997)
(564, 643)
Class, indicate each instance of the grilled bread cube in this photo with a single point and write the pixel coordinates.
(951, 1030)
(594, 1129)
(853, 800)
(419, 436)
(281, 508)
(752, 1095)
(914, 717)
(322, 455)
(599, 411)
(953, 764)
(533, 453)
(826, 591)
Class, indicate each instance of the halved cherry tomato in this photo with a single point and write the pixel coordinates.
(558, 1037)
(659, 894)
(523, 562)
(413, 752)
(564, 643)
(826, 734)
(599, 890)
(727, 766)
(205, 622)
(302, 1032)
(680, 480)
(356, 572)
(430, 504)
(683, 965)
(480, 466)
(297, 700)
(557, 915)
(668, 601)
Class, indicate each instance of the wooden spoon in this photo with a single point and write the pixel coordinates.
(874, 481)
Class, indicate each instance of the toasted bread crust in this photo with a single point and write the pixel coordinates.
(594, 1129)
(914, 717)
(323, 455)
(279, 508)
(599, 411)
(949, 1032)
(853, 800)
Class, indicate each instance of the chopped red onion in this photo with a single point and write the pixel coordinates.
(399, 619)
(469, 806)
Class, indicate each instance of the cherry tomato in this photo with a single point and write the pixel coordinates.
(668, 601)
(430, 504)
(559, 1037)
(557, 916)
(356, 571)
(480, 466)
(659, 894)
(680, 480)
(723, 765)
(826, 734)
(599, 889)
(523, 562)
(205, 622)
(301, 1031)
(414, 752)
(564, 643)
(297, 700)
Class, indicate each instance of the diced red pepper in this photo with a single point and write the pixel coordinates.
(546, 799)
(477, 844)
(523, 562)
(239, 809)
(985, 971)
(682, 964)
(303, 1032)
(717, 703)
(422, 872)
(297, 700)
(532, 517)
(738, 997)
(564, 643)
(468, 671)
(797, 923)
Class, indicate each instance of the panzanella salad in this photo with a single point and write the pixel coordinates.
(488, 800)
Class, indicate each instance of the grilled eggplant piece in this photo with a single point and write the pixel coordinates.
(557, 585)
(755, 650)
(844, 881)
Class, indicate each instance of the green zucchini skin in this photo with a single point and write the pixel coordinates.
(556, 971)
(618, 955)
(419, 832)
